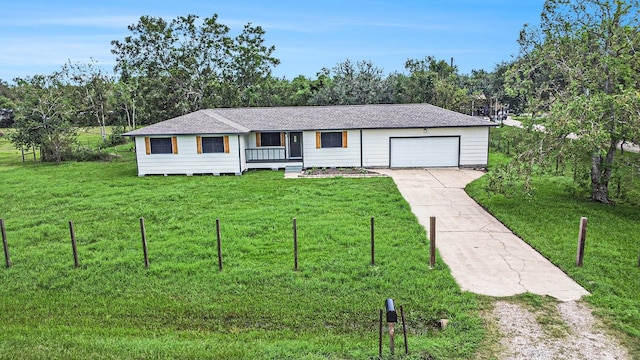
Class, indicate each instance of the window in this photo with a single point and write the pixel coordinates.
(334, 139)
(212, 144)
(269, 139)
(166, 145)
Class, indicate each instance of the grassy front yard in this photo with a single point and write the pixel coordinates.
(182, 306)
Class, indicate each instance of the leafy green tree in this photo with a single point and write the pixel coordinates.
(125, 98)
(173, 65)
(299, 92)
(431, 81)
(581, 69)
(7, 105)
(483, 91)
(350, 83)
(94, 89)
(187, 64)
(42, 117)
(514, 101)
(249, 68)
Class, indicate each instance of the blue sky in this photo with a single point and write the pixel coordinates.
(39, 36)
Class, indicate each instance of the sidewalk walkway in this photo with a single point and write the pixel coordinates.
(484, 256)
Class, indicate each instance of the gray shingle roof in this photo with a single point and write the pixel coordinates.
(345, 117)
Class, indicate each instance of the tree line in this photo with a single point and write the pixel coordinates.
(578, 73)
(166, 69)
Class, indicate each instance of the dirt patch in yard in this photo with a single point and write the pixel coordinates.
(566, 330)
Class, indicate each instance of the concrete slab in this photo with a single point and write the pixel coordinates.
(484, 256)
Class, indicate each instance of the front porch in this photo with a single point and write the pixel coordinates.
(270, 158)
(270, 155)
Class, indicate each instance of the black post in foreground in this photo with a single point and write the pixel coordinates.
(5, 245)
(74, 247)
(404, 331)
(432, 241)
(295, 244)
(581, 240)
(219, 244)
(373, 251)
(380, 336)
(144, 243)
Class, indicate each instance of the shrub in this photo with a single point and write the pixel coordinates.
(84, 153)
(116, 138)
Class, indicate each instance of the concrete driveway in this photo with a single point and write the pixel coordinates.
(484, 256)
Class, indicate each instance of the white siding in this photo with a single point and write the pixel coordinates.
(244, 140)
(187, 161)
(331, 157)
(473, 144)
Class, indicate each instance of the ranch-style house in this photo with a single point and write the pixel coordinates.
(231, 141)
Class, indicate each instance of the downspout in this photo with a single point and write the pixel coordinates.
(488, 146)
(135, 150)
(239, 156)
(361, 156)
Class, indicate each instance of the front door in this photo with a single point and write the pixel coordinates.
(295, 145)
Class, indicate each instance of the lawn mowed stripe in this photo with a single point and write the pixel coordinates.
(257, 307)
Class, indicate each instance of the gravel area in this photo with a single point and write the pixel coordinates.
(574, 334)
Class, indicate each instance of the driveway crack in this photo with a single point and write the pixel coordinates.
(504, 258)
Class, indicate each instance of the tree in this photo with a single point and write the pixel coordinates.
(125, 98)
(298, 92)
(174, 65)
(7, 105)
(581, 69)
(42, 117)
(249, 67)
(6, 112)
(187, 64)
(514, 101)
(94, 90)
(351, 83)
(431, 81)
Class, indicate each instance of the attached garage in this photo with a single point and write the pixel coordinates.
(424, 151)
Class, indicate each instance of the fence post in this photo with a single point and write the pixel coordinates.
(582, 236)
(432, 241)
(219, 244)
(295, 244)
(144, 243)
(373, 252)
(380, 336)
(404, 331)
(5, 245)
(74, 245)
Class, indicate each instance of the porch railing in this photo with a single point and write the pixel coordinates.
(266, 154)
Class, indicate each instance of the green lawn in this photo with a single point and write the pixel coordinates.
(258, 307)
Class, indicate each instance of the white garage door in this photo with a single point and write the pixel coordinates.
(425, 152)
